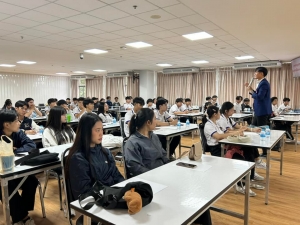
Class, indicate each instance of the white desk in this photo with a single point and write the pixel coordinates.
(35, 137)
(240, 116)
(276, 136)
(187, 195)
(190, 114)
(171, 131)
(110, 126)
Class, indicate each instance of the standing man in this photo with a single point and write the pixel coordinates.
(262, 99)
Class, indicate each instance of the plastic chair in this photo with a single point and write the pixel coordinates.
(121, 122)
(126, 170)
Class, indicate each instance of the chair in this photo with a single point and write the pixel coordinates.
(126, 170)
(41, 199)
(41, 104)
(121, 122)
(203, 138)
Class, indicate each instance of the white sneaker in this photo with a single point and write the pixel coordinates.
(29, 222)
(260, 164)
(258, 177)
(19, 223)
(257, 186)
(73, 214)
(242, 190)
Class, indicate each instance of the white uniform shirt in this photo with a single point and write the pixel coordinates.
(209, 129)
(238, 107)
(226, 123)
(76, 110)
(275, 110)
(282, 107)
(174, 109)
(151, 107)
(106, 118)
(162, 117)
(184, 107)
(49, 138)
(128, 105)
(128, 116)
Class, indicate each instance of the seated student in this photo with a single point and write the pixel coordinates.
(187, 106)
(51, 104)
(28, 126)
(116, 102)
(138, 103)
(108, 101)
(143, 151)
(57, 131)
(149, 104)
(274, 102)
(103, 113)
(284, 107)
(154, 102)
(164, 119)
(206, 105)
(32, 110)
(246, 104)
(177, 109)
(64, 104)
(19, 204)
(96, 103)
(127, 105)
(214, 100)
(8, 105)
(88, 104)
(74, 103)
(207, 99)
(68, 100)
(102, 100)
(88, 161)
(80, 109)
(238, 104)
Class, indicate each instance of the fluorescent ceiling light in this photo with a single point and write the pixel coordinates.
(7, 65)
(163, 64)
(200, 62)
(99, 70)
(95, 51)
(61, 73)
(244, 57)
(26, 62)
(139, 44)
(78, 72)
(197, 36)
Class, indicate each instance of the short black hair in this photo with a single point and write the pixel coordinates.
(21, 103)
(161, 101)
(149, 100)
(159, 98)
(80, 99)
(61, 102)
(7, 116)
(178, 100)
(108, 97)
(87, 101)
(68, 99)
(128, 98)
(187, 100)
(138, 100)
(74, 99)
(94, 98)
(116, 98)
(214, 96)
(286, 99)
(28, 99)
(264, 70)
(51, 100)
(208, 98)
(55, 99)
(239, 97)
(273, 98)
(246, 100)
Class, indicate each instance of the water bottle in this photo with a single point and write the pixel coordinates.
(178, 125)
(41, 130)
(263, 135)
(187, 123)
(114, 120)
(268, 132)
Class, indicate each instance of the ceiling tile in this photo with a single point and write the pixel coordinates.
(147, 16)
(82, 6)
(11, 9)
(169, 46)
(66, 24)
(186, 30)
(207, 26)
(108, 13)
(226, 37)
(217, 33)
(159, 42)
(10, 27)
(38, 16)
(130, 21)
(4, 32)
(149, 28)
(177, 39)
(85, 19)
(57, 10)
(164, 3)
(56, 37)
(127, 6)
(27, 4)
(144, 38)
(72, 34)
(41, 41)
(124, 40)
(20, 22)
(91, 39)
(88, 30)
(3, 16)
(108, 36)
(164, 34)
(126, 32)
(49, 28)
(110, 1)
(108, 27)
(60, 45)
(233, 42)
(195, 19)
(172, 24)
(179, 10)
(109, 43)
(77, 42)
(33, 32)
(17, 37)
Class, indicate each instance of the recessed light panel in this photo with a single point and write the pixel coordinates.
(139, 44)
(197, 36)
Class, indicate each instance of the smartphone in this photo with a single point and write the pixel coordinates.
(187, 165)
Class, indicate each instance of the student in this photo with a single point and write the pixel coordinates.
(8, 105)
(28, 126)
(51, 104)
(88, 161)
(88, 104)
(246, 105)
(32, 110)
(143, 151)
(103, 113)
(102, 100)
(206, 105)
(19, 204)
(96, 103)
(285, 108)
(274, 102)
(108, 101)
(116, 102)
(68, 100)
(188, 105)
(80, 109)
(207, 99)
(62, 103)
(177, 109)
(154, 102)
(74, 103)
(238, 104)
(214, 100)
(138, 104)
(127, 105)
(164, 119)
(57, 132)
(149, 104)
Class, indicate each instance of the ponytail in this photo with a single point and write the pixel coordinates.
(138, 120)
(211, 110)
(132, 125)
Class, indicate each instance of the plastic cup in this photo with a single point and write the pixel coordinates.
(7, 162)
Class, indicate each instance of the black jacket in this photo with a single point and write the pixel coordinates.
(83, 172)
(26, 124)
(21, 142)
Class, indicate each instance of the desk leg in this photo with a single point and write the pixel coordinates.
(267, 178)
(168, 146)
(296, 143)
(246, 206)
(5, 201)
(281, 155)
(86, 220)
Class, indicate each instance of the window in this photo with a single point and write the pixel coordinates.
(82, 91)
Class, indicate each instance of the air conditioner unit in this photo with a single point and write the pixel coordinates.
(181, 70)
(253, 65)
(119, 74)
(83, 76)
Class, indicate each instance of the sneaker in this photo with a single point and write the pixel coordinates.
(73, 214)
(262, 155)
(19, 223)
(260, 164)
(242, 191)
(257, 186)
(258, 177)
(287, 140)
(29, 222)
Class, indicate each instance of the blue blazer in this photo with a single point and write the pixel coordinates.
(262, 99)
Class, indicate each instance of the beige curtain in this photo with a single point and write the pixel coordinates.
(133, 87)
(116, 87)
(74, 88)
(94, 87)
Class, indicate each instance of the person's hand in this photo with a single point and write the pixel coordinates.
(257, 130)
(30, 132)
(14, 148)
(66, 107)
(239, 133)
(174, 122)
(246, 84)
(243, 128)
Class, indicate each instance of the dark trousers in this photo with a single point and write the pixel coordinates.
(173, 145)
(250, 154)
(21, 204)
(261, 121)
(215, 150)
(204, 219)
(287, 126)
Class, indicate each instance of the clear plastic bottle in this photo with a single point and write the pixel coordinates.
(114, 121)
(187, 123)
(178, 125)
(263, 135)
(268, 132)
(41, 130)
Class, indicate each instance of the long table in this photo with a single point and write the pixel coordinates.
(240, 116)
(182, 198)
(275, 137)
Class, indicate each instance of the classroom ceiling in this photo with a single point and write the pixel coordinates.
(54, 32)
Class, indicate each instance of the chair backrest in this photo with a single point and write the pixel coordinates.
(203, 138)
(41, 104)
(126, 170)
(121, 122)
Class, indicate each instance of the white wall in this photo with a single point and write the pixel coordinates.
(148, 84)
(39, 87)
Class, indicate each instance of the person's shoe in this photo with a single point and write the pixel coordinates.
(29, 222)
(258, 177)
(263, 155)
(73, 214)
(260, 164)
(257, 186)
(288, 140)
(242, 191)
(172, 158)
(19, 223)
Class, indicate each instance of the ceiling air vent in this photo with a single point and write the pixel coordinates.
(119, 74)
(239, 66)
(182, 70)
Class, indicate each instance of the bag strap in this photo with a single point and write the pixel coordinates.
(95, 193)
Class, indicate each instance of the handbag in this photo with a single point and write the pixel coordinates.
(195, 152)
(35, 158)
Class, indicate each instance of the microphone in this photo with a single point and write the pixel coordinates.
(251, 81)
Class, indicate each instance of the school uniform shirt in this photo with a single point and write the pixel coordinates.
(151, 107)
(116, 104)
(174, 109)
(33, 115)
(162, 117)
(85, 113)
(49, 138)
(76, 110)
(209, 129)
(238, 107)
(47, 109)
(28, 124)
(106, 117)
(21, 141)
(128, 105)
(73, 104)
(282, 107)
(275, 110)
(127, 119)
(244, 106)
(186, 108)
(216, 104)
(226, 123)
